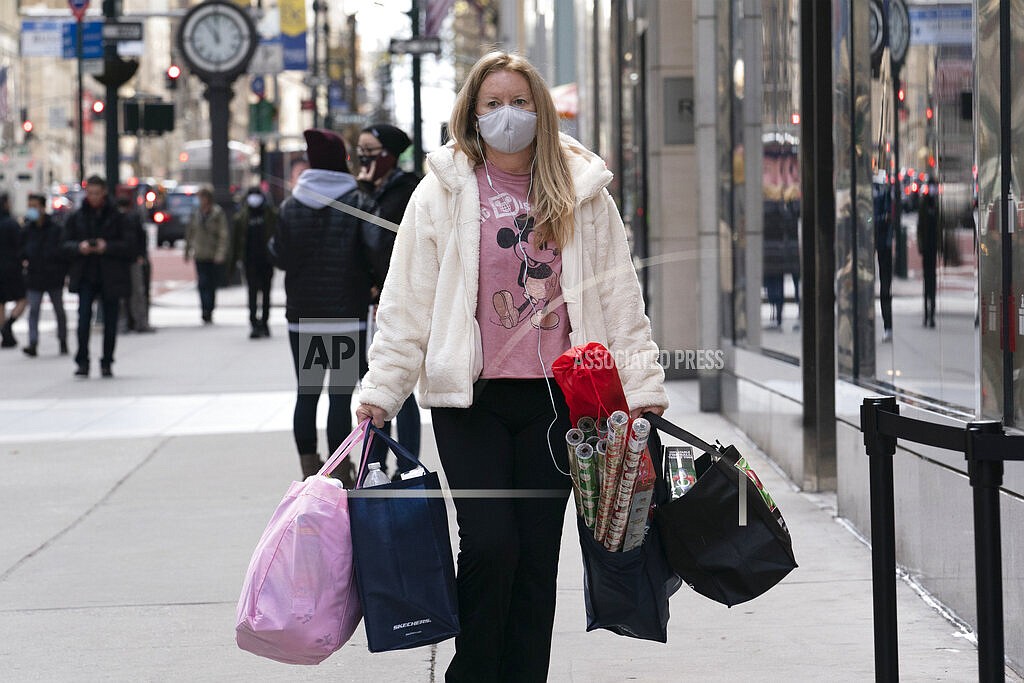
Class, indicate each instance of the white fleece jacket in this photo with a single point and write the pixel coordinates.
(426, 321)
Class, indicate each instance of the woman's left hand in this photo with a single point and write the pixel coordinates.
(657, 410)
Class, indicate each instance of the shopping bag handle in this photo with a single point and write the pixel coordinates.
(661, 424)
(398, 449)
(358, 434)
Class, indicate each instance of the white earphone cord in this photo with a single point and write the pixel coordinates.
(540, 356)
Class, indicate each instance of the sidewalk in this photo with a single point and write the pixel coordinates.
(131, 507)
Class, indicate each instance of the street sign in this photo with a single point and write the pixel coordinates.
(125, 30)
(92, 40)
(315, 81)
(416, 46)
(78, 8)
(42, 38)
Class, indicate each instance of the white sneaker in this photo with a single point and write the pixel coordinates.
(886, 336)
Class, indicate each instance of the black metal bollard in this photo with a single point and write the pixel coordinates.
(986, 474)
(881, 449)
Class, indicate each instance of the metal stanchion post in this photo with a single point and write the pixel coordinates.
(881, 449)
(986, 477)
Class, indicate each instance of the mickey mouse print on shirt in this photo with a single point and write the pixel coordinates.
(520, 295)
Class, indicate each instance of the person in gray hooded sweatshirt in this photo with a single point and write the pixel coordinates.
(331, 261)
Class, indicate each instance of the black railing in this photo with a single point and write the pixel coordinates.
(986, 447)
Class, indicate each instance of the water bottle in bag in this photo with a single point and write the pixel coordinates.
(374, 476)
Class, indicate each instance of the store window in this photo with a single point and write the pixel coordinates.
(924, 201)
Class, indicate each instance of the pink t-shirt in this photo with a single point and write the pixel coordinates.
(520, 296)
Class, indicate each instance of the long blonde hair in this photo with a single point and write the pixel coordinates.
(554, 196)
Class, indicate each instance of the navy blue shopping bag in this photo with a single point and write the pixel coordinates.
(403, 559)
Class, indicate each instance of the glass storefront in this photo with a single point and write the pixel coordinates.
(907, 316)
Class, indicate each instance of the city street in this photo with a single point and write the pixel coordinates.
(132, 506)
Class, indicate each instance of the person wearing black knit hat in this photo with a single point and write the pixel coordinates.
(331, 262)
(389, 187)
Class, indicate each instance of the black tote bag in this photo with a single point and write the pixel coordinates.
(703, 539)
(627, 592)
(403, 559)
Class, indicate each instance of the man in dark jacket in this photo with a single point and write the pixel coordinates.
(139, 270)
(45, 273)
(12, 280)
(331, 261)
(255, 224)
(881, 199)
(928, 245)
(389, 188)
(101, 248)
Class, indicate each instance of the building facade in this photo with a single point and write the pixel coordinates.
(787, 266)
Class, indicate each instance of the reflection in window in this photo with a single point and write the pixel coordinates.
(928, 346)
(780, 307)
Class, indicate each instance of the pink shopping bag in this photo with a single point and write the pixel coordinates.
(299, 601)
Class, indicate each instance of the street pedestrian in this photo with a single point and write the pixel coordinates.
(511, 216)
(389, 187)
(141, 272)
(101, 248)
(45, 272)
(881, 197)
(207, 240)
(928, 246)
(12, 278)
(255, 224)
(331, 260)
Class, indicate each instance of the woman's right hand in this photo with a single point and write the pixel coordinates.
(366, 411)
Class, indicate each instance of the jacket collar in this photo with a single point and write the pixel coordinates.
(589, 173)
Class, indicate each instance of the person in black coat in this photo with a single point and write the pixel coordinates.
(101, 247)
(139, 270)
(12, 280)
(881, 199)
(389, 188)
(331, 261)
(928, 246)
(45, 272)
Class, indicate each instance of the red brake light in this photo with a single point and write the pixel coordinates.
(913, 187)
(159, 217)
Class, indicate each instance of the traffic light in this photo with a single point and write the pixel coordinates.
(97, 109)
(26, 125)
(173, 74)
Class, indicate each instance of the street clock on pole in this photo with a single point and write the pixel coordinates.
(217, 40)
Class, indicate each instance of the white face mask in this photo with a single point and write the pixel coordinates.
(508, 129)
(254, 200)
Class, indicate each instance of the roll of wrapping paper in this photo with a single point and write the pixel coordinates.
(635, 446)
(617, 427)
(574, 438)
(587, 483)
(602, 427)
(640, 508)
(588, 426)
(599, 452)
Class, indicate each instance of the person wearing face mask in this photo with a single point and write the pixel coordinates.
(255, 224)
(510, 251)
(44, 274)
(389, 188)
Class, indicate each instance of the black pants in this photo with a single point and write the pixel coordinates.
(885, 284)
(88, 293)
(339, 413)
(259, 295)
(929, 262)
(508, 546)
(208, 274)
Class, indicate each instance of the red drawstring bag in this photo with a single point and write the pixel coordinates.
(587, 376)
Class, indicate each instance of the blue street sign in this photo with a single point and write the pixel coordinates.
(92, 40)
(258, 86)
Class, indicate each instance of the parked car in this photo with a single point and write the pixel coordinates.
(172, 220)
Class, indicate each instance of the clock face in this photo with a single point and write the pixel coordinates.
(217, 38)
